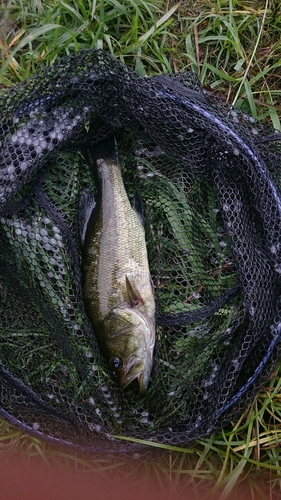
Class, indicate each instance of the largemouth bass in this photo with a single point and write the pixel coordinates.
(117, 286)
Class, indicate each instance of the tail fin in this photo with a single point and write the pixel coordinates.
(105, 149)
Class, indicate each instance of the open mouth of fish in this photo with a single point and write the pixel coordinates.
(131, 372)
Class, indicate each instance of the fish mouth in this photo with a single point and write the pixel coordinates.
(134, 369)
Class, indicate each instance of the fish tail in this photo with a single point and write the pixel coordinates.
(106, 150)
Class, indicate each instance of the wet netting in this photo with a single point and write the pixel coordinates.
(208, 177)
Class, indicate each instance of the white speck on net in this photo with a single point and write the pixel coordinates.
(252, 311)
(112, 404)
(275, 249)
(144, 420)
(63, 311)
(235, 362)
(11, 169)
(95, 427)
(149, 174)
(24, 165)
(212, 376)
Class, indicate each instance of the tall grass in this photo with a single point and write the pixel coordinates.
(234, 46)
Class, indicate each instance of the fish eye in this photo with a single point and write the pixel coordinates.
(116, 363)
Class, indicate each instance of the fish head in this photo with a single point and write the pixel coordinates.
(128, 344)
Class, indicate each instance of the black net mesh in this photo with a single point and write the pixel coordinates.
(208, 178)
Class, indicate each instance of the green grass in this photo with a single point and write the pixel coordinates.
(235, 48)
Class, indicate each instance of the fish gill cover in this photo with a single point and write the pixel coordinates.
(208, 178)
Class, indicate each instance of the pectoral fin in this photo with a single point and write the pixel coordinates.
(134, 296)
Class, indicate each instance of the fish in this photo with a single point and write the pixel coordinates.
(117, 286)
